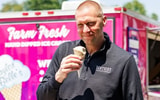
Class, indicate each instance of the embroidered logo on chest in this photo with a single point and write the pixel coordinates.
(104, 69)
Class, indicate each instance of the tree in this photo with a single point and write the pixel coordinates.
(136, 6)
(42, 4)
(12, 6)
(154, 16)
(32, 5)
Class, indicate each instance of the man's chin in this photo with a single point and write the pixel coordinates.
(88, 42)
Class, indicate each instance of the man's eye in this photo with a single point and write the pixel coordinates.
(91, 23)
(80, 25)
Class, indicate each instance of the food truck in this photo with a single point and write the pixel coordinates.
(28, 40)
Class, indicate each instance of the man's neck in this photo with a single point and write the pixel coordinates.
(95, 47)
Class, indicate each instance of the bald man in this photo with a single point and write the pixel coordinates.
(107, 72)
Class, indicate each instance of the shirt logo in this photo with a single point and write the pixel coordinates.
(104, 69)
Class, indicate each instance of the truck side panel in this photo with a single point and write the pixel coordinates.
(27, 48)
(135, 37)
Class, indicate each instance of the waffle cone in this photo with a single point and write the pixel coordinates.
(13, 93)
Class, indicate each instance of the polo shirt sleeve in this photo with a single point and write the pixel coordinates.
(49, 87)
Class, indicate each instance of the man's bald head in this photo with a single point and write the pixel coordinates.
(90, 4)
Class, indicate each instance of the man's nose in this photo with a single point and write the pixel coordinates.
(86, 28)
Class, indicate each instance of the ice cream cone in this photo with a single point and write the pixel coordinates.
(13, 93)
(80, 51)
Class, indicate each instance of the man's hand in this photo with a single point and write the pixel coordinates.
(69, 63)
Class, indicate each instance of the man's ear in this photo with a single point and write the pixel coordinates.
(104, 20)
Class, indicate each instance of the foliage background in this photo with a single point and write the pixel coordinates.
(29, 5)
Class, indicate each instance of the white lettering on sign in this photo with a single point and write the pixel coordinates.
(20, 34)
(34, 43)
(15, 34)
(43, 63)
(53, 32)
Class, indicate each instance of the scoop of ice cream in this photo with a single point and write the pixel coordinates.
(80, 51)
(12, 72)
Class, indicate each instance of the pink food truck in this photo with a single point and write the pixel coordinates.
(29, 39)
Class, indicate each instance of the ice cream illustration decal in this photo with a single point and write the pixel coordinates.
(12, 74)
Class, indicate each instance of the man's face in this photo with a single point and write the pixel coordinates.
(90, 25)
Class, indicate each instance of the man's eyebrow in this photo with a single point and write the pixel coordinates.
(100, 15)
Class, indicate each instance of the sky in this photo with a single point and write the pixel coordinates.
(150, 6)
